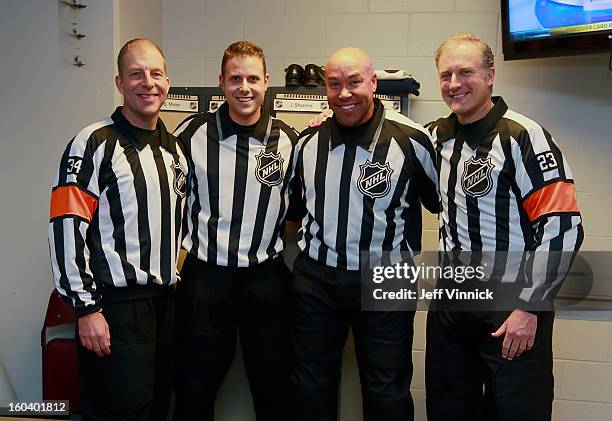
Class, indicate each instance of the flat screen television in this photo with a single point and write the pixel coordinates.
(548, 28)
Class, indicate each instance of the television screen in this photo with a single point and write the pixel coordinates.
(539, 28)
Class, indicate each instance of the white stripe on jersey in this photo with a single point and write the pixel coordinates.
(227, 170)
(521, 176)
(77, 148)
(534, 130)
(251, 196)
(198, 149)
(72, 272)
(459, 201)
(116, 164)
(108, 240)
(399, 227)
(536, 133)
(332, 207)
(154, 213)
(395, 156)
(350, 226)
(355, 210)
(310, 153)
(516, 144)
(246, 230)
(127, 195)
(423, 156)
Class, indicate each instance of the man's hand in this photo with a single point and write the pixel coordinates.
(318, 120)
(94, 333)
(520, 329)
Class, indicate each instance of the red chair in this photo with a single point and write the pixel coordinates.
(59, 360)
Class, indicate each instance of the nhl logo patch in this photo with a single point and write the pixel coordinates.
(374, 179)
(180, 179)
(269, 170)
(476, 180)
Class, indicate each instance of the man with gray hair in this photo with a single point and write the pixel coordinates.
(504, 187)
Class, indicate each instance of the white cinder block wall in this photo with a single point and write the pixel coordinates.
(572, 97)
(45, 101)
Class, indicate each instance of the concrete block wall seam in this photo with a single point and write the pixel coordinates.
(185, 71)
(477, 6)
(199, 36)
(598, 136)
(432, 28)
(580, 360)
(242, 29)
(580, 340)
(608, 404)
(278, 43)
(596, 243)
(594, 215)
(587, 381)
(610, 344)
(387, 34)
(276, 69)
(212, 68)
(568, 410)
(183, 7)
(331, 7)
(590, 169)
(411, 6)
(244, 7)
(558, 375)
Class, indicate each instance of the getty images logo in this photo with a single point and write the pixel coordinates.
(411, 272)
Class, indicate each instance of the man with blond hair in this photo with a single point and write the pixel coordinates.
(114, 236)
(234, 280)
(505, 188)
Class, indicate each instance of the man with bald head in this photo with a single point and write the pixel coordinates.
(114, 236)
(363, 174)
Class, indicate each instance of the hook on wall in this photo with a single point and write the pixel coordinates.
(74, 4)
(77, 34)
(77, 62)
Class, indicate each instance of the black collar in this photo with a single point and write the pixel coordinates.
(472, 133)
(365, 135)
(228, 127)
(135, 134)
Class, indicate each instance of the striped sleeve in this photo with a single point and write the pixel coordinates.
(297, 206)
(548, 198)
(74, 201)
(426, 170)
(426, 175)
(183, 125)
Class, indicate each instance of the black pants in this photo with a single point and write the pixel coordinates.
(325, 302)
(134, 382)
(215, 303)
(462, 356)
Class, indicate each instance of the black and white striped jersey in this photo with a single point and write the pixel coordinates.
(506, 186)
(362, 188)
(116, 213)
(239, 187)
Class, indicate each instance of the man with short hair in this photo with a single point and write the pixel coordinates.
(505, 187)
(363, 175)
(114, 236)
(234, 280)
